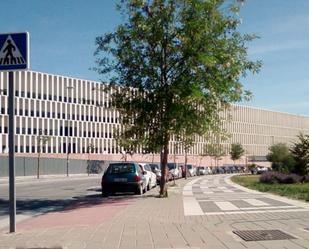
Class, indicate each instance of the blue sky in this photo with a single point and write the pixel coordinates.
(62, 34)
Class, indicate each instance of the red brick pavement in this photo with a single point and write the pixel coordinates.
(82, 214)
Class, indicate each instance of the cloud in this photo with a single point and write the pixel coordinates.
(270, 48)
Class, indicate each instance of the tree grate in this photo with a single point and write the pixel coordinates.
(257, 235)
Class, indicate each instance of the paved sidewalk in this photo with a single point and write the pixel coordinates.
(148, 222)
(45, 178)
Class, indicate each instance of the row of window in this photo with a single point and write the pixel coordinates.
(72, 148)
(75, 117)
(44, 96)
(54, 132)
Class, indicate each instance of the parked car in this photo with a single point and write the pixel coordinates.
(156, 169)
(261, 169)
(184, 171)
(240, 169)
(209, 170)
(218, 170)
(232, 169)
(123, 177)
(191, 170)
(151, 178)
(201, 170)
(175, 170)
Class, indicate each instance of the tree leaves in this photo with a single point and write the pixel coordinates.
(184, 59)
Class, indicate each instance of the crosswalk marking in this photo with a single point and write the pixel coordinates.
(208, 192)
(256, 212)
(191, 206)
(255, 202)
(217, 197)
(226, 206)
(227, 191)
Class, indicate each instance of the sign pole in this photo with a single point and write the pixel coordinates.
(14, 55)
(12, 153)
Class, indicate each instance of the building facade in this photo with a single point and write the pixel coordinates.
(59, 116)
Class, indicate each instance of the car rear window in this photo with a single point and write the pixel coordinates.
(154, 166)
(171, 166)
(147, 167)
(120, 168)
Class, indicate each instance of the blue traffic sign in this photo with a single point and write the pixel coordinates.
(14, 51)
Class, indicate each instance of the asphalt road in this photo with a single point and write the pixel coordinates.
(35, 197)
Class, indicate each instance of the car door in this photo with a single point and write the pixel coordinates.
(153, 176)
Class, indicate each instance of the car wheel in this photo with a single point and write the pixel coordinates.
(139, 190)
(149, 185)
(104, 193)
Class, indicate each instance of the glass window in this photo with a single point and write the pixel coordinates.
(120, 168)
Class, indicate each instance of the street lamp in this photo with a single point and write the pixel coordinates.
(68, 88)
(42, 140)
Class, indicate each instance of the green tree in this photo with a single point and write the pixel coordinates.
(300, 152)
(236, 152)
(280, 158)
(217, 151)
(178, 64)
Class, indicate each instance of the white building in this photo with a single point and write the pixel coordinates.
(77, 117)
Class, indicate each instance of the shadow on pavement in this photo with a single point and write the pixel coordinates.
(40, 206)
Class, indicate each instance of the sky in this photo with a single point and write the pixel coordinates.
(63, 32)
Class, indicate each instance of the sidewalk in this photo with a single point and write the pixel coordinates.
(45, 178)
(150, 222)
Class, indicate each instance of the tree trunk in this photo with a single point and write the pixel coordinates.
(163, 189)
(186, 160)
(38, 169)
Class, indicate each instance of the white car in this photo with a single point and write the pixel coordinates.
(151, 178)
(261, 169)
(191, 170)
(201, 170)
(156, 169)
(208, 170)
(174, 170)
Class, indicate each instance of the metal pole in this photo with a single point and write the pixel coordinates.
(12, 192)
(67, 161)
(68, 145)
(68, 130)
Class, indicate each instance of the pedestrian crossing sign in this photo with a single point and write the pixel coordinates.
(14, 51)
